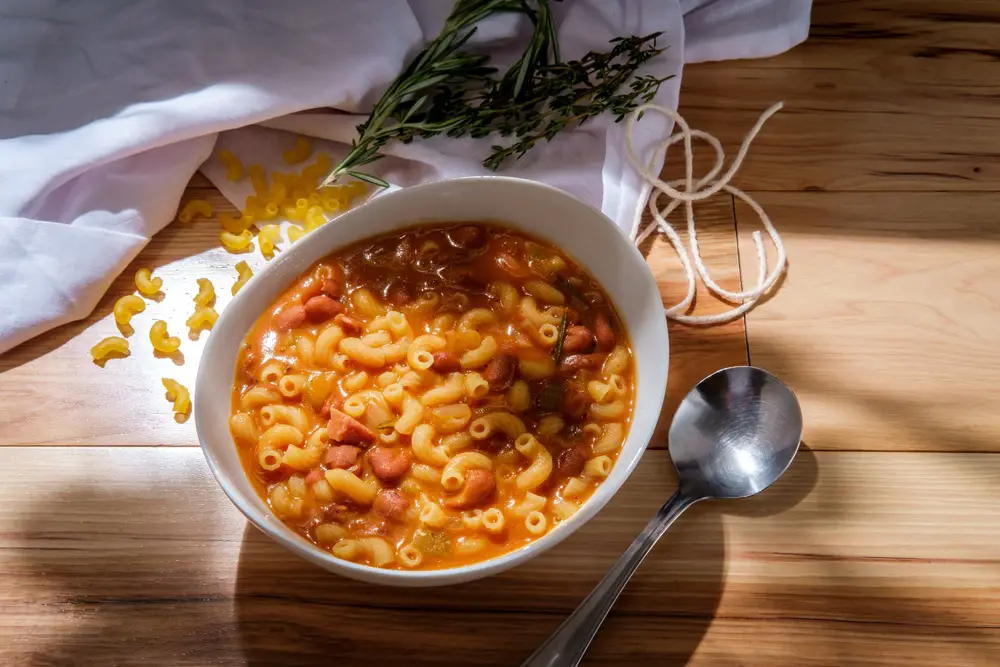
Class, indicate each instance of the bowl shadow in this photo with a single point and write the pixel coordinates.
(289, 612)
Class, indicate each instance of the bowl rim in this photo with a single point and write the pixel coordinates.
(461, 573)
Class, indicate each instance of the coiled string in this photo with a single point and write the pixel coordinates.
(698, 190)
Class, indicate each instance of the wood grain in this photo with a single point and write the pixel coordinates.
(887, 96)
(134, 555)
(879, 548)
(697, 351)
(890, 329)
(909, 58)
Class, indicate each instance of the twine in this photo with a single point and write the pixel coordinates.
(693, 191)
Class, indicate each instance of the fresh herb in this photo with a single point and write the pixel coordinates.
(446, 90)
(562, 338)
(550, 398)
(387, 426)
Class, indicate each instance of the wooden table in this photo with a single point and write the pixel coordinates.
(881, 546)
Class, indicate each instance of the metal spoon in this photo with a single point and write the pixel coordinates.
(732, 437)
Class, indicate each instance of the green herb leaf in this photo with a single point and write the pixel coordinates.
(561, 339)
(368, 178)
(446, 90)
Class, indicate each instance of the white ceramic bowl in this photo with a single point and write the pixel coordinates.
(583, 232)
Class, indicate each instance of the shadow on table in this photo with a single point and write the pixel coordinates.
(292, 613)
(119, 570)
(112, 573)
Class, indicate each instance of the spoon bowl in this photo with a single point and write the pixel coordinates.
(734, 434)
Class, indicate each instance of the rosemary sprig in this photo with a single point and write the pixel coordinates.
(564, 94)
(446, 90)
(557, 355)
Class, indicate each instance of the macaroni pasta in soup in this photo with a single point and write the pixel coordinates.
(433, 398)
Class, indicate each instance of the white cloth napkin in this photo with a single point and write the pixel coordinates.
(107, 108)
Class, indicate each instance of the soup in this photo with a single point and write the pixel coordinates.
(433, 397)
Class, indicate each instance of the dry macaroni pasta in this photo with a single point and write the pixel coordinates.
(179, 395)
(124, 309)
(244, 274)
(108, 346)
(195, 208)
(161, 340)
(146, 283)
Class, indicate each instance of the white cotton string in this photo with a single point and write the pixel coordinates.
(708, 185)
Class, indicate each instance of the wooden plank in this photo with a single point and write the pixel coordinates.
(810, 150)
(904, 57)
(123, 403)
(883, 96)
(696, 351)
(888, 325)
(132, 555)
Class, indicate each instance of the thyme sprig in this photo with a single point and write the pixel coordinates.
(446, 90)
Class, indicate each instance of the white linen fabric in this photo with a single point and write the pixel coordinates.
(108, 107)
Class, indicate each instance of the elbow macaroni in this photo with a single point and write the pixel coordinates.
(541, 462)
(300, 153)
(244, 273)
(206, 293)
(383, 433)
(350, 485)
(482, 355)
(146, 283)
(124, 309)
(358, 352)
(179, 395)
(195, 207)
(269, 237)
(242, 242)
(161, 340)
(494, 422)
(234, 168)
(203, 318)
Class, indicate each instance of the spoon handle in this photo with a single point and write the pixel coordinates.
(568, 644)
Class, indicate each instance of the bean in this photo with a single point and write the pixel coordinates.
(479, 486)
(574, 402)
(391, 504)
(511, 266)
(578, 339)
(344, 428)
(604, 333)
(321, 308)
(467, 236)
(570, 462)
(578, 362)
(446, 362)
(290, 317)
(350, 325)
(389, 464)
(341, 456)
(399, 294)
(500, 371)
(332, 288)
